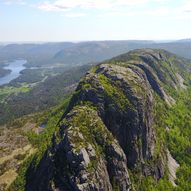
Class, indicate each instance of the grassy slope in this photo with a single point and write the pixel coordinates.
(40, 143)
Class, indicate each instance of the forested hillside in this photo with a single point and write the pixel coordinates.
(127, 127)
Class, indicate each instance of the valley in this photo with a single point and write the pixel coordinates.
(140, 99)
(57, 64)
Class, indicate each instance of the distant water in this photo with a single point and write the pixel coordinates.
(16, 67)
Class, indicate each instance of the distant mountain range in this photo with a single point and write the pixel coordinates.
(184, 40)
(85, 52)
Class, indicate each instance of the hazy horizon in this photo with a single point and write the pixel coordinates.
(42, 42)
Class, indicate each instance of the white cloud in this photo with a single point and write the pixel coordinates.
(119, 8)
(60, 5)
(129, 2)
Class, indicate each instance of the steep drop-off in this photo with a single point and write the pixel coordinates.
(110, 132)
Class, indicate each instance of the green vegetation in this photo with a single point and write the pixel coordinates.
(173, 126)
(142, 183)
(115, 185)
(41, 97)
(86, 122)
(8, 90)
(114, 92)
(178, 120)
(40, 142)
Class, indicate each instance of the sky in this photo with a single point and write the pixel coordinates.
(86, 20)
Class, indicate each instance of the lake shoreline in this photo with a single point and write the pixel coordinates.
(14, 68)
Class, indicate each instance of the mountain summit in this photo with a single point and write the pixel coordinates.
(112, 135)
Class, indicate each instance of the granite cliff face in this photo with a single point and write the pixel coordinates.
(109, 128)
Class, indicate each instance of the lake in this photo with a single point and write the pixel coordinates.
(16, 67)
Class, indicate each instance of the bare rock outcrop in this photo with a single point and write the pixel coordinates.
(109, 128)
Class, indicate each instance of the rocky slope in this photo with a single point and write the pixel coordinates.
(109, 130)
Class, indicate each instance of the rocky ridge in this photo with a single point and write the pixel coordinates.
(109, 128)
